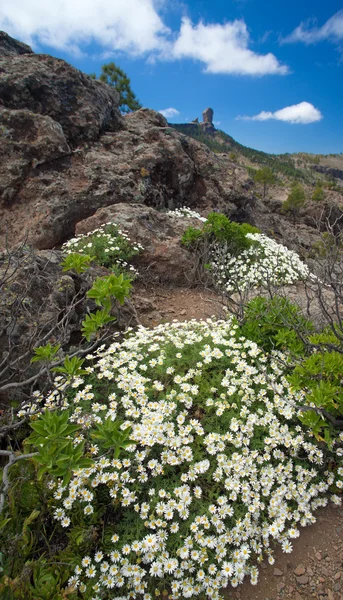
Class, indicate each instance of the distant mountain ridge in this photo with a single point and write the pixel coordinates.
(301, 166)
(219, 141)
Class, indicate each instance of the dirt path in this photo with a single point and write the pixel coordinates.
(315, 567)
(162, 305)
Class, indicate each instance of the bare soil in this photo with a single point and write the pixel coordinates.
(315, 567)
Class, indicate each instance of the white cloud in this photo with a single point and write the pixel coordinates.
(169, 113)
(224, 49)
(131, 26)
(135, 27)
(303, 113)
(331, 30)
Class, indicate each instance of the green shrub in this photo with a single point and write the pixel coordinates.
(318, 194)
(191, 237)
(109, 246)
(273, 322)
(208, 476)
(315, 360)
(295, 201)
(218, 228)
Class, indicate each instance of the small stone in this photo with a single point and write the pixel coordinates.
(303, 580)
(277, 572)
(300, 570)
(327, 558)
(337, 575)
(318, 556)
(337, 587)
(183, 312)
(297, 596)
(330, 595)
(280, 586)
(309, 571)
(321, 580)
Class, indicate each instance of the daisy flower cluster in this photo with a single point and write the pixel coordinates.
(264, 263)
(218, 468)
(109, 245)
(186, 212)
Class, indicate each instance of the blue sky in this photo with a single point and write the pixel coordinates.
(271, 71)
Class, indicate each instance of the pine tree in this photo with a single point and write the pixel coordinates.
(115, 76)
(295, 201)
(266, 177)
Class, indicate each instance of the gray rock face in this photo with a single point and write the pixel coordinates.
(48, 86)
(26, 141)
(207, 116)
(11, 47)
(329, 171)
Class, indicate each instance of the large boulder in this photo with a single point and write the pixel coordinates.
(163, 259)
(49, 86)
(27, 140)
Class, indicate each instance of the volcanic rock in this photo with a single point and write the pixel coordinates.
(163, 259)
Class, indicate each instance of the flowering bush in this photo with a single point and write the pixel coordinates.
(186, 212)
(264, 263)
(217, 467)
(108, 246)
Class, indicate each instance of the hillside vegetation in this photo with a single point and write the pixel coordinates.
(301, 166)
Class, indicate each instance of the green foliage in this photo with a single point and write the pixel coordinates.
(104, 288)
(71, 367)
(318, 194)
(77, 262)
(328, 245)
(222, 142)
(45, 353)
(315, 365)
(116, 77)
(109, 246)
(95, 321)
(295, 201)
(321, 375)
(222, 230)
(191, 236)
(276, 323)
(218, 228)
(112, 437)
(56, 453)
(265, 177)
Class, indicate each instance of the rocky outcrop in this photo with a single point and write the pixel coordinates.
(163, 259)
(10, 46)
(329, 171)
(66, 152)
(207, 119)
(51, 87)
(27, 141)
